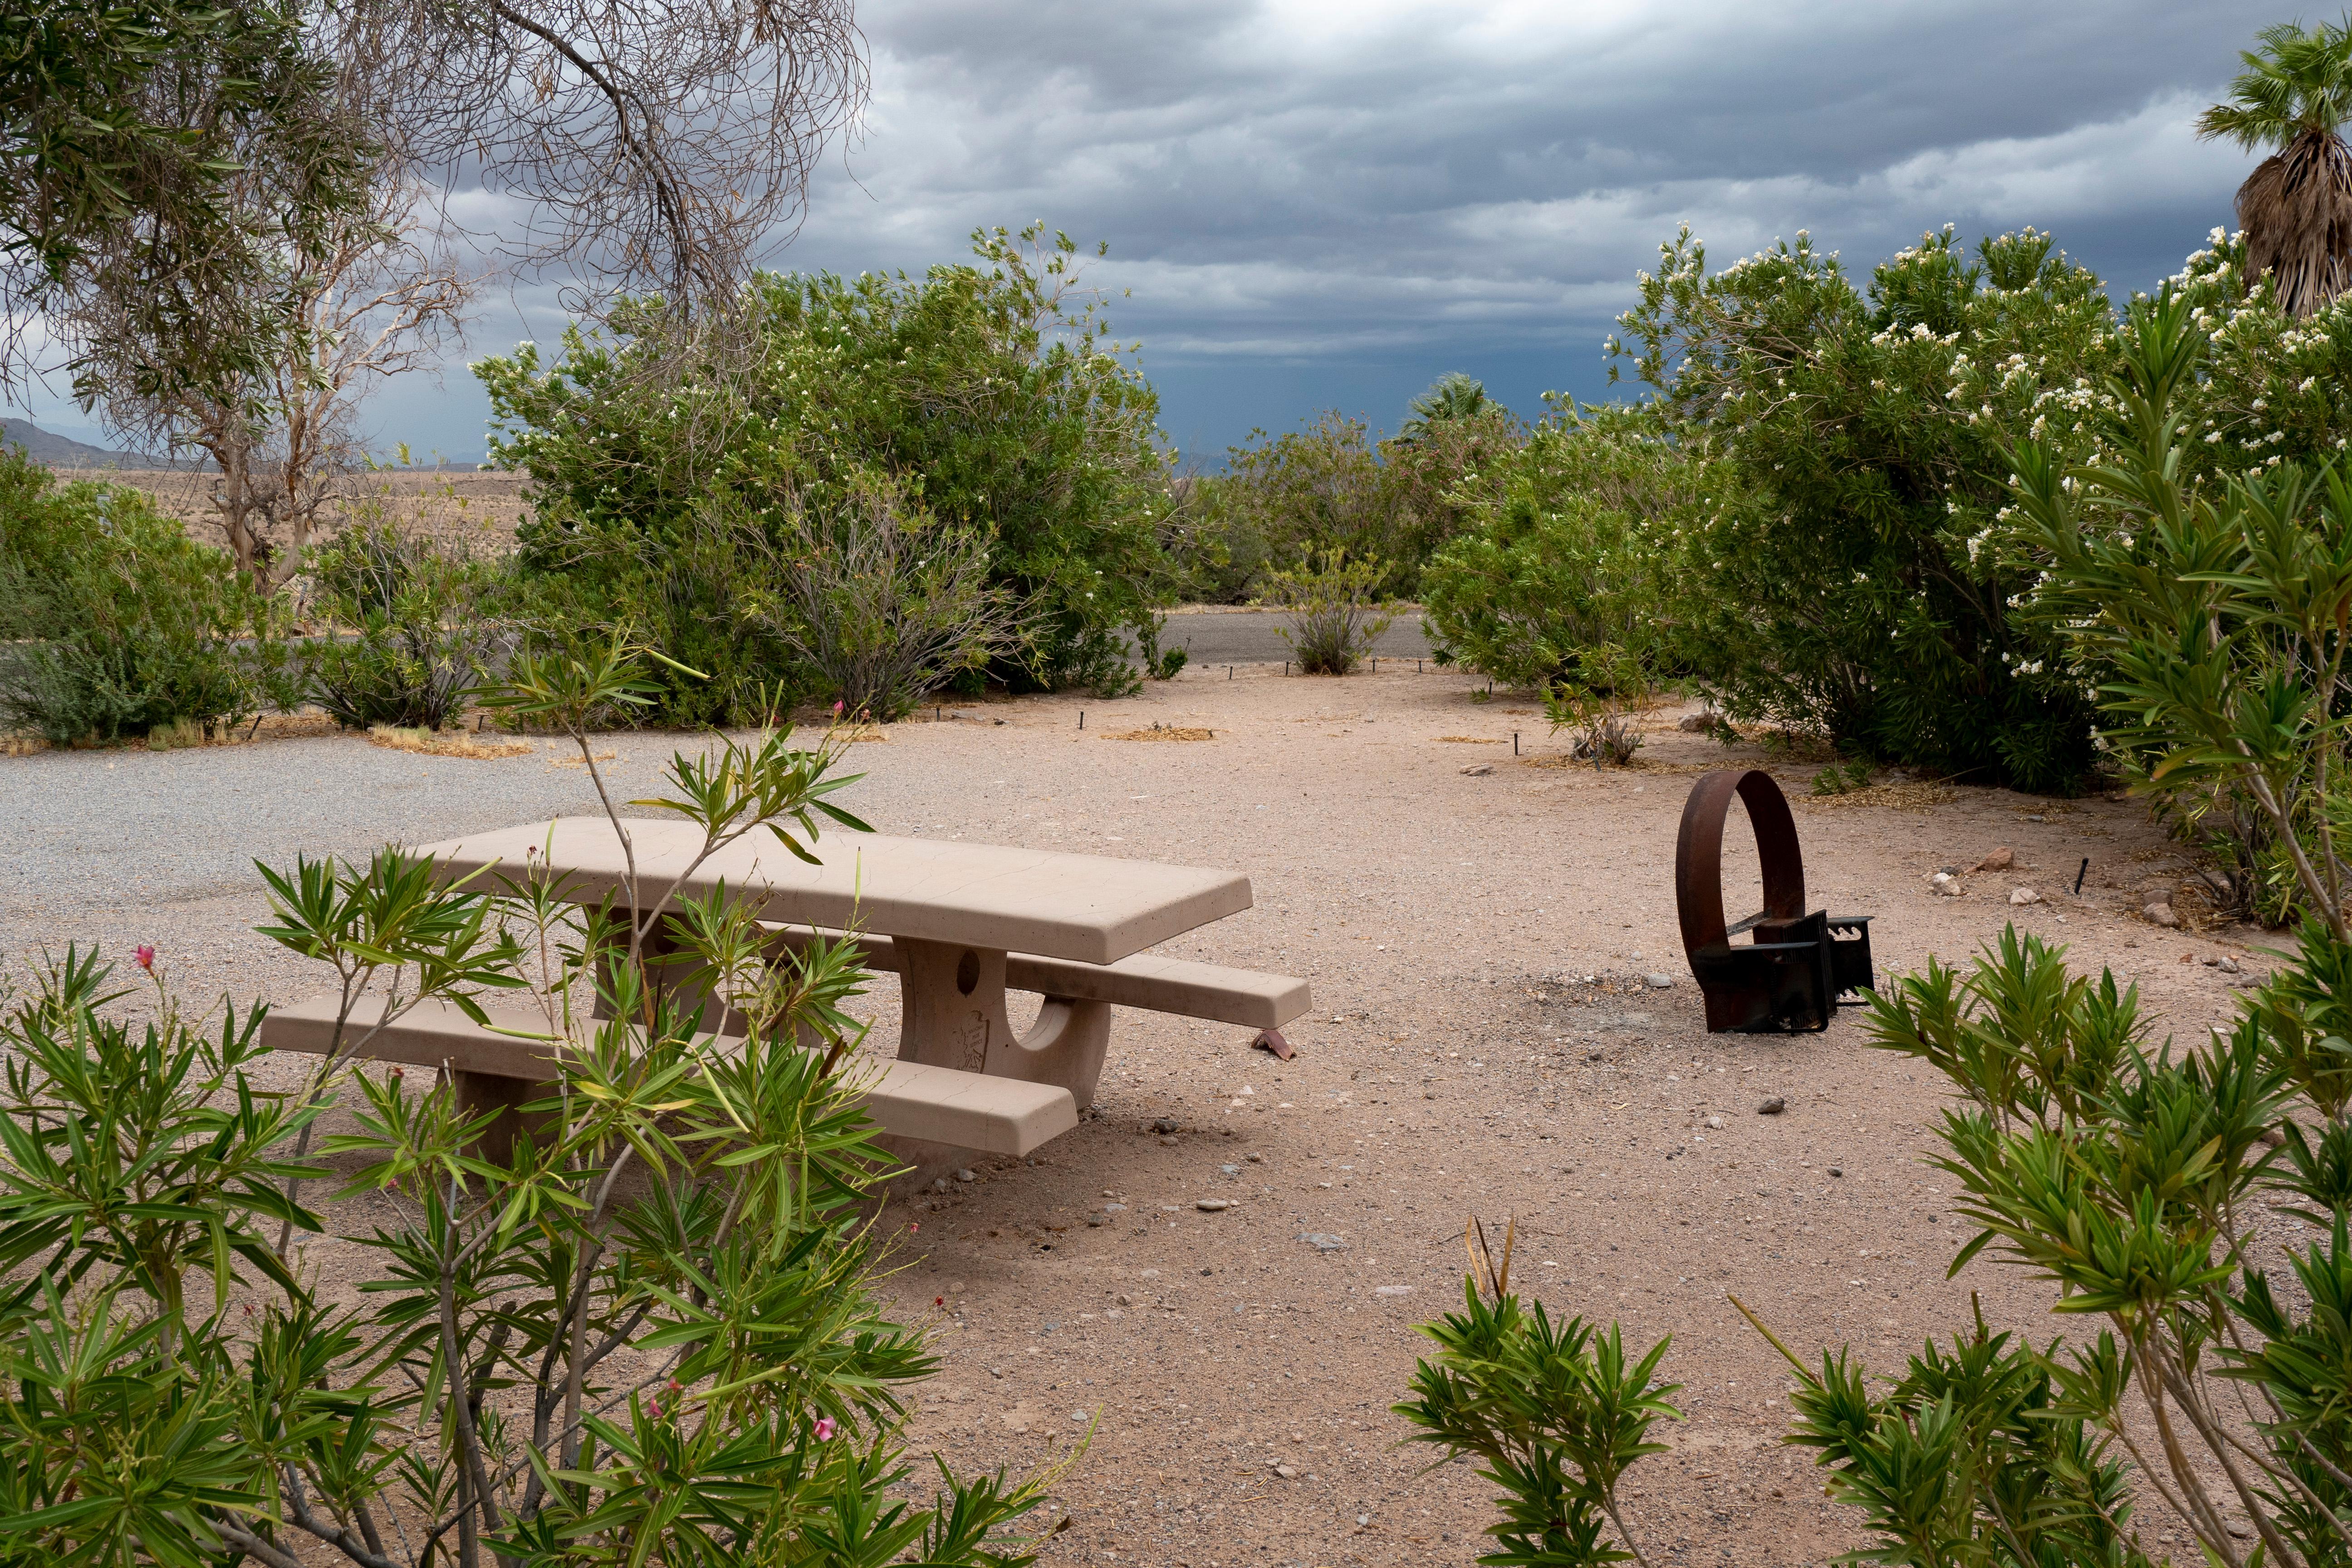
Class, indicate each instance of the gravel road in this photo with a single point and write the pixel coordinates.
(1255, 637)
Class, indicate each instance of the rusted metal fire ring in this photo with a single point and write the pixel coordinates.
(1698, 854)
(1793, 973)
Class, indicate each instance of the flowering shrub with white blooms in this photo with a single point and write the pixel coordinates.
(1856, 576)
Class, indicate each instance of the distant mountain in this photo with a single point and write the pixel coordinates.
(57, 451)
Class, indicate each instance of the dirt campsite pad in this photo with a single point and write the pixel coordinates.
(1212, 1283)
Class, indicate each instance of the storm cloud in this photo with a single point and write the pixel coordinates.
(1318, 204)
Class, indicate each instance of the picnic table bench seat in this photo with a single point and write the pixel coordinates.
(1143, 980)
(910, 1099)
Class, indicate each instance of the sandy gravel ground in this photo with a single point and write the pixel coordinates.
(1482, 1042)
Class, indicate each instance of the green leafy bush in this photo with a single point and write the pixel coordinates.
(424, 631)
(1331, 485)
(1833, 587)
(886, 607)
(641, 1332)
(988, 394)
(1335, 609)
(1581, 546)
(1556, 1410)
(114, 622)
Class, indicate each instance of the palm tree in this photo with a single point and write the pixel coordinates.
(2296, 209)
(1450, 397)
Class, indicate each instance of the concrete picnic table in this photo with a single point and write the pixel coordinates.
(961, 923)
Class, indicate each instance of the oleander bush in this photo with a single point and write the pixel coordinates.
(641, 1332)
(1833, 585)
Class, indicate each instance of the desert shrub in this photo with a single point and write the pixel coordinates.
(1160, 663)
(887, 603)
(643, 1331)
(1333, 485)
(1335, 609)
(988, 393)
(424, 630)
(114, 622)
(1578, 546)
(1832, 586)
(1601, 705)
(1322, 487)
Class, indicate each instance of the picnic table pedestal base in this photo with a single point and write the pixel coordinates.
(479, 1091)
(952, 1016)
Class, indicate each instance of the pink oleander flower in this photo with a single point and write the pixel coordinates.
(825, 1428)
(146, 956)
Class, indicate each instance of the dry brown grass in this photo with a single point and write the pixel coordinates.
(268, 727)
(1162, 733)
(447, 743)
(479, 509)
(1911, 795)
(1470, 740)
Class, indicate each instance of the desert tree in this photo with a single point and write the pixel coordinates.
(124, 127)
(652, 145)
(2296, 207)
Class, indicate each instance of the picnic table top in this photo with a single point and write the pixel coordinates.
(1089, 907)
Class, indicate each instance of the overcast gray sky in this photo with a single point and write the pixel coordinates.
(1321, 205)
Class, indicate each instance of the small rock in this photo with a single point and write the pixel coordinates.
(1698, 723)
(1478, 770)
(2023, 896)
(966, 1177)
(1322, 1241)
(1252, 1159)
(1772, 1107)
(1285, 1472)
(1837, 1170)
(1213, 1205)
(1165, 1124)
(2210, 961)
(2160, 914)
(2000, 859)
(2228, 965)
(1945, 884)
(1231, 1170)
(1659, 982)
(1714, 1121)
(1168, 1140)
(1393, 1290)
(2275, 1137)
(939, 1185)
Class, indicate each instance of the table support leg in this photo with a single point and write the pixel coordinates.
(479, 1092)
(952, 1016)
